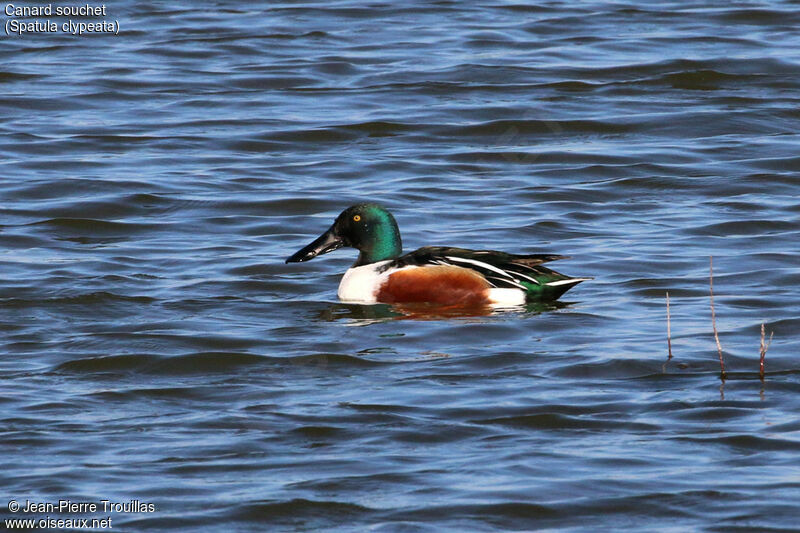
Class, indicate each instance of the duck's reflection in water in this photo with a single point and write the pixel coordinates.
(368, 314)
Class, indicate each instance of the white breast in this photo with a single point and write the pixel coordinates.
(360, 284)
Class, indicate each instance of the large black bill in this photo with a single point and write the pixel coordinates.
(327, 242)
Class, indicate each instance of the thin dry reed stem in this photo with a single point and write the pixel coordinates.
(669, 332)
(764, 348)
(714, 316)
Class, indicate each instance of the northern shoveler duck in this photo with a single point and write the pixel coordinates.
(433, 274)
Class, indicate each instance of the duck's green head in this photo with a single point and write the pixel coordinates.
(370, 228)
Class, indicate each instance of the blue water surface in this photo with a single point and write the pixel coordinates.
(156, 348)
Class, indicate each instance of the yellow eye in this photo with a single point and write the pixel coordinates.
(357, 218)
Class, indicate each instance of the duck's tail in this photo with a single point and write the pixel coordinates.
(552, 290)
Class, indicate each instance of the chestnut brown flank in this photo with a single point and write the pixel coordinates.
(440, 284)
